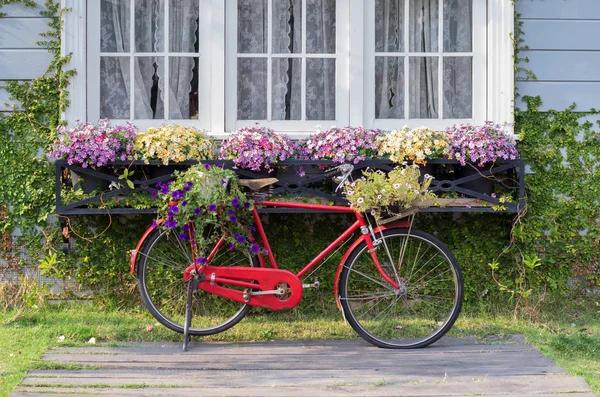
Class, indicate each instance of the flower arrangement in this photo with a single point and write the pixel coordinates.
(342, 145)
(207, 196)
(417, 145)
(480, 144)
(94, 146)
(174, 142)
(377, 191)
(257, 148)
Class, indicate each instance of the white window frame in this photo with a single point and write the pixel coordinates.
(477, 54)
(499, 68)
(295, 128)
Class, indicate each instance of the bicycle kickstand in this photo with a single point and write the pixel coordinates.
(191, 288)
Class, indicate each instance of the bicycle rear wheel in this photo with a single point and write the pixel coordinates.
(421, 310)
(160, 281)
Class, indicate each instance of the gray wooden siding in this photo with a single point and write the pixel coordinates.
(20, 57)
(564, 52)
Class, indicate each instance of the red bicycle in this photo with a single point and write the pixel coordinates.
(398, 287)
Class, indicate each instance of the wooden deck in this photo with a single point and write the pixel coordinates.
(311, 368)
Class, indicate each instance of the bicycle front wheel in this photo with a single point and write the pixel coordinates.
(426, 303)
(162, 263)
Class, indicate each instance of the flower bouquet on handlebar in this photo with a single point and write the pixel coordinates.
(390, 195)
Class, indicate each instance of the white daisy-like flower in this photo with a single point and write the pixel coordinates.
(360, 200)
(379, 197)
(396, 185)
(61, 339)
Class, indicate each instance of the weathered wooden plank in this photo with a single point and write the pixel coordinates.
(20, 11)
(378, 388)
(564, 65)
(558, 9)
(561, 35)
(560, 95)
(357, 346)
(22, 33)
(283, 378)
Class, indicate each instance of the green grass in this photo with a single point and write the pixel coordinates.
(567, 332)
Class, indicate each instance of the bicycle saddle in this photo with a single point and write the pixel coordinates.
(257, 184)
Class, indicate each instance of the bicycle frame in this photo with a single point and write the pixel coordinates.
(361, 224)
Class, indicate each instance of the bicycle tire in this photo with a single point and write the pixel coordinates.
(418, 313)
(163, 260)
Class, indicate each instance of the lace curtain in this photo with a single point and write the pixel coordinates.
(423, 30)
(286, 72)
(148, 73)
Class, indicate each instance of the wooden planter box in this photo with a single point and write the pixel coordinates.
(508, 176)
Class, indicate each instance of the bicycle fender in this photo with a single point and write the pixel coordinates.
(138, 247)
(352, 247)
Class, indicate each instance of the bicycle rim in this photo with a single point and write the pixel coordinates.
(160, 279)
(418, 313)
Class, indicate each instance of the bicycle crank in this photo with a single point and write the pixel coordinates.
(275, 289)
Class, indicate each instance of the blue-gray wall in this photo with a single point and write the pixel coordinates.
(20, 57)
(564, 41)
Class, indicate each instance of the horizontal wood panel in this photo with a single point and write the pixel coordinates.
(561, 35)
(19, 10)
(23, 65)
(560, 95)
(564, 65)
(559, 9)
(22, 32)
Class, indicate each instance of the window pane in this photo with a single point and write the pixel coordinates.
(458, 88)
(389, 87)
(320, 89)
(149, 88)
(423, 25)
(320, 26)
(149, 25)
(183, 25)
(423, 86)
(287, 89)
(252, 26)
(183, 88)
(252, 88)
(114, 25)
(458, 20)
(114, 88)
(389, 22)
(287, 26)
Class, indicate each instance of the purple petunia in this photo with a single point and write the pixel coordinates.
(174, 209)
(184, 203)
(233, 219)
(252, 228)
(201, 260)
(171, 224)
(231, 247)
(184, 237)
(255, 248)
(235, 202)
(197, 211)
(164, 189)
(177, 194)
(154, 194)
(246, 205)
(212, 208)
(239, 237)
(207, 166)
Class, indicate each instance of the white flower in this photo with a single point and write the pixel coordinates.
(92, 341)
(61, 338)
(396, 185)
(379, 197)
(360, 200)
